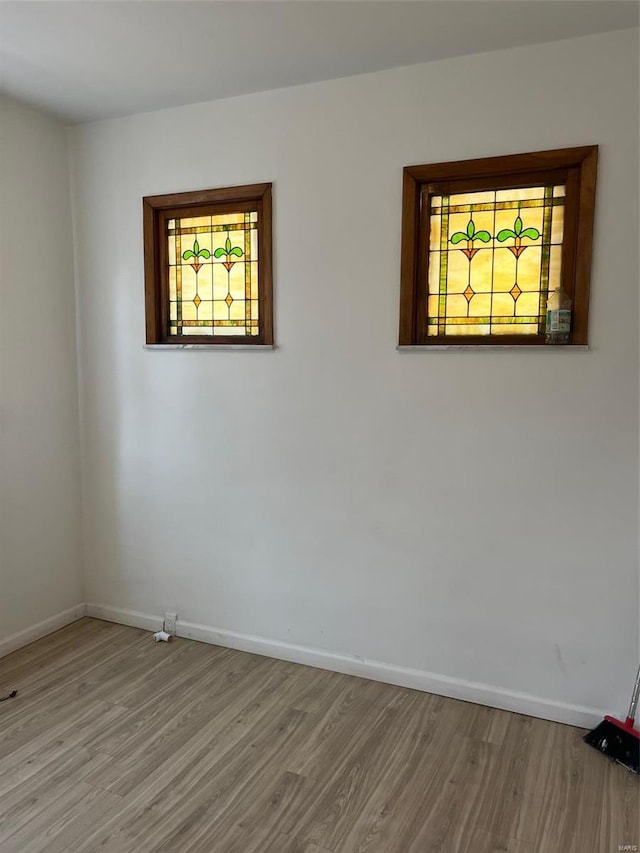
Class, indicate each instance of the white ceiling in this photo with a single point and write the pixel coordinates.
(90, 60)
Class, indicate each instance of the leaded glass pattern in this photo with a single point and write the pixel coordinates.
(493, 256)
(213, 275)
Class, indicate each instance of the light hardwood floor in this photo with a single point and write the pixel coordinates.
(116, 743)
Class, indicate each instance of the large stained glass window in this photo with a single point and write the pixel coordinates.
(493, 258)
(485, 242)
(208, 267)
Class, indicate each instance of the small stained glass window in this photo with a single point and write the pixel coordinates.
(213, 274)
(485, 242)
(493, 258)
(208, 267)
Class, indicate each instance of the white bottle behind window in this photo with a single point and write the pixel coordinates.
(558, 326)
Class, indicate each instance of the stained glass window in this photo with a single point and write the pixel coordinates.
(493, 258)
(485, 243)
(208, 267)
(213, 274)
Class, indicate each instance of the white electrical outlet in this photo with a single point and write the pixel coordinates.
(170, 620)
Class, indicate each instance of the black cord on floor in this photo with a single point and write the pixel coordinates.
(10, 696)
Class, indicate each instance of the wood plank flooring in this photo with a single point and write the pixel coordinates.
(117, 744)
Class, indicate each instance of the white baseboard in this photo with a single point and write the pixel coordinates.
(428, 682)
(36, 632)
(133, 618)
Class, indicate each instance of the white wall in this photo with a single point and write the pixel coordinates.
(470, 514)
(39, 432)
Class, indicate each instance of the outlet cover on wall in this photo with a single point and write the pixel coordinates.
(170, 620)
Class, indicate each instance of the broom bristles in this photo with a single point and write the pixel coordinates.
(616, 742)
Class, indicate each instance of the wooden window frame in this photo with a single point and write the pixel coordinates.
(576, 167)
(156, 211)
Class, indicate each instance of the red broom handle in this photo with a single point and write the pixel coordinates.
(634, 702)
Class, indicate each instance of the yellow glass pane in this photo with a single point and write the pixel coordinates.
(529, 268)
(555, 266)
(254, 280)
(434, 272)
(504, 220)
(435, 226)
(220, 283)
(189, 310)
(475, 329)
(228, 219)
(472, 198)
(205, 310)
(172, 283)
(456, 306)
(557, 224)
(458, 272)
(520, 194)
(234, 331)
(502, 305)
(237, 310)
(204, 280)
(514, 329)
(194, 222)
(236, 278)
(527, 304)
(481, 270)
(532, 217)
(558, 191)
(480, 305)
(195, 330)
(188, 283)
(504, 270)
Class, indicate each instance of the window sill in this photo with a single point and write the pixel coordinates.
(212, 347)
(493, 347)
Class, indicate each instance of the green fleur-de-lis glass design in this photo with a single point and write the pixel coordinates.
(470, 236)
(196, 253)
(229, 251)
(517, 234)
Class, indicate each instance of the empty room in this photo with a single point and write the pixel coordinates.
(319, 426)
